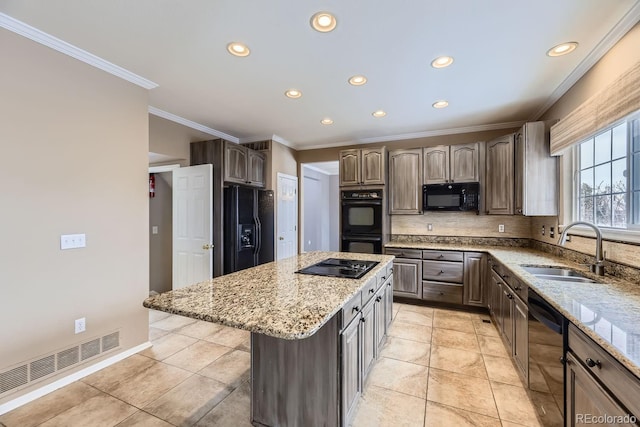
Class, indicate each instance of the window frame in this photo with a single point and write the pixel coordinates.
(570, 185)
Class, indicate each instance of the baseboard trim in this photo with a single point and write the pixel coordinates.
(39, 392)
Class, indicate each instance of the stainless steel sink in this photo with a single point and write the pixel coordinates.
(561, 274)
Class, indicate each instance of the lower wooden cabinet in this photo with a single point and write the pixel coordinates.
(351, 376)
(368, 338)
(520, 341)
(407, 278)
(475, 266)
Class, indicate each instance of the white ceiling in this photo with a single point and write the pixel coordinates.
(500, 76)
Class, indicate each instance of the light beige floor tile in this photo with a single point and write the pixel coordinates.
(150, 384)
(156, 315)
(112, 376)
(173, 322)
(413, 317)
(233, 411)
(427, 311)
(501, 369)
(382, 407)
(480, 316)
(454, 339)
(197, 356)
(438, 415)
(461, 391)
(229, 337)
(189, 401)
(510, 424)
(410, 331)
(48, 406)
(395, 310)
(406, 350)
(99, 411)
(404, 377)
(245, 345)
(492, 346)
(456, 360)
(462, 325)
(155, 333)
(483, 328)
(142, 419)
(232, 368)
(451, 314)
(547, 408)
(168, 345)
(199, 329)
(514, 404)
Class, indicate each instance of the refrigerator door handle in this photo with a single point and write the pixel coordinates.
(258, 243)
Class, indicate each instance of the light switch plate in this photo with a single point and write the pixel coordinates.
(154, 229)
(72, 241)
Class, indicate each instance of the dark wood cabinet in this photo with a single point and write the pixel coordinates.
(454, 163)
(407, 278)
(499, 176)
(243, 165)
(365, 166)
(475, 266)
(520, 340)
(405, 181)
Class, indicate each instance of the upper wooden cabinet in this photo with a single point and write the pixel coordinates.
(243, 165)
(536, 172)
(455, 163)
(499, 185)
(405, 189)
(365, 166)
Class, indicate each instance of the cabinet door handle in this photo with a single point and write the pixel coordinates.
(362, 319)
(391, 270)
(509, 296)
(441, 272)
(371, 291)
(384, 278)
(593, 363)
(440, 256)
(378, 299)
(356, 309)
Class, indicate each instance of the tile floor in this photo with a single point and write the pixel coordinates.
(438, 368)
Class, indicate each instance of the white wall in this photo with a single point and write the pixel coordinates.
(74, 142)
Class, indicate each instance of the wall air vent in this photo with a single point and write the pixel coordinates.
(14, 378)
(21, 376)
(42, 367)
(110, 341)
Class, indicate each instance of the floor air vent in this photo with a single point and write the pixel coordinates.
(21, 376)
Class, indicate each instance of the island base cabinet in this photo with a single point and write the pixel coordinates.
(295, 382)
(351, 376)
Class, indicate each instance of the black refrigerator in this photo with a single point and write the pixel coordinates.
(248, 227)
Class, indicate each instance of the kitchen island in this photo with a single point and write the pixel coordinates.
(313, 338)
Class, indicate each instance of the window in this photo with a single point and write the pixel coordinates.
(608, 178)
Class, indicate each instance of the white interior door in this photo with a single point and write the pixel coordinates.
(192, 220)
(287, 216)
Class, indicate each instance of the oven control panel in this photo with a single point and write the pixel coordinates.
(359, 195)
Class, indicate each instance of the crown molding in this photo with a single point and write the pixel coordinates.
(623, 26)
(191, 124)
(68, 49)
(273, 137)
(425, 134)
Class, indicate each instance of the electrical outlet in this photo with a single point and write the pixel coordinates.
(552, 232)
(501, 228)
(81, 325)
(543, 230)
(154, 229)
(430, 227)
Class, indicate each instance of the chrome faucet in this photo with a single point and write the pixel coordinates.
(598, 267)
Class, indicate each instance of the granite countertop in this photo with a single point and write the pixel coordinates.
(270, 299)
(608, 311)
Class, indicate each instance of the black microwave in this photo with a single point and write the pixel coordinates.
(451, 197)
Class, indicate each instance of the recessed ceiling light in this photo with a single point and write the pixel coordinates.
(293, 93)
(379, 113)
(440, 104)
(238, 49)
(357, 80)
(562, 49)
(442, 61)
(326, 121)
(323, 22)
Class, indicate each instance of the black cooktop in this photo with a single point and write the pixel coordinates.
(336, 267)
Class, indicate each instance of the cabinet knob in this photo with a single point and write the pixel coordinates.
(440, 256)
(391, 270)
(593, 363)
(509, 296)
(371, 291)
(378, 299)
(384, 278)
(356, 309)
(362, 319)
(441, 272)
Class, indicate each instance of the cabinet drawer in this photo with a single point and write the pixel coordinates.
(383, 275)
(622, 383)
(351, 309)
(404, 253)
(443, 255)
(442, 292)
(442, 271)
(369, 291)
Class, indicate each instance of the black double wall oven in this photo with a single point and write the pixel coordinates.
(361, 218)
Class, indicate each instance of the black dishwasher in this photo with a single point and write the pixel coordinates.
(547, 346)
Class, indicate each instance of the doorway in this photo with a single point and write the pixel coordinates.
(286, 216)
(320, 211)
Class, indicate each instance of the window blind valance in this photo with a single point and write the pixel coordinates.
(617, 100)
